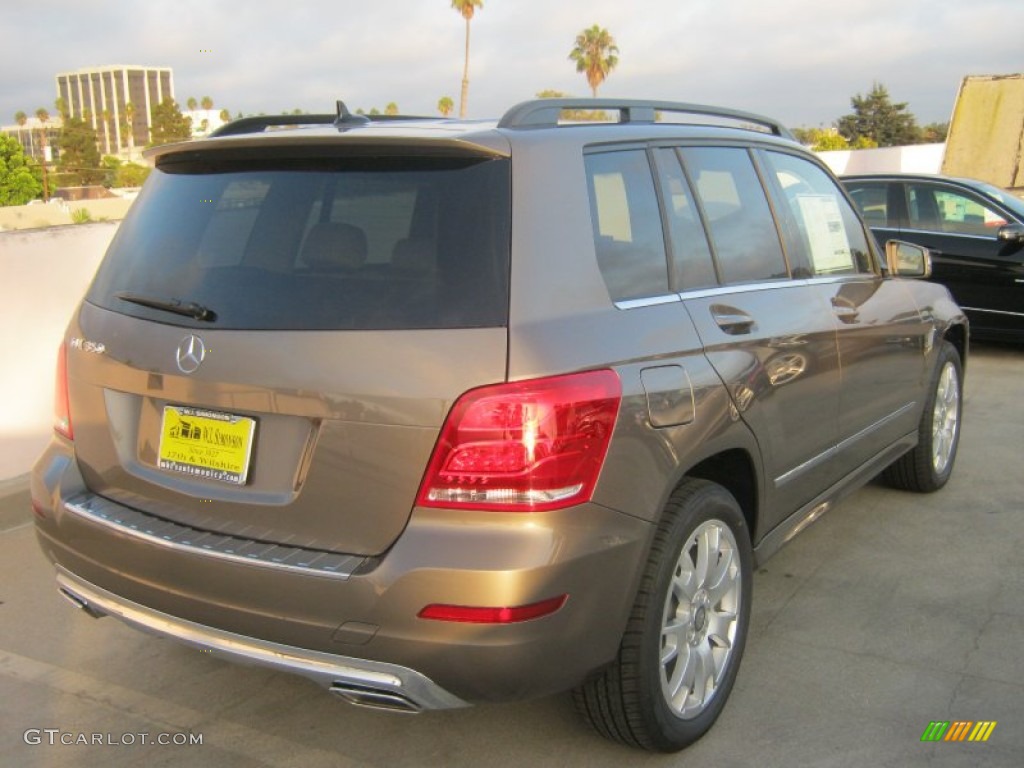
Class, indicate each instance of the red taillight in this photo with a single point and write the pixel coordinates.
(61, 409)
(472, 614)
(524, 446)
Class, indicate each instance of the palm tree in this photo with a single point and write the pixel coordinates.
(445, 105)
(43, 116)
(191, 103)
(206, 102)
(21, 118)
(225, 116)
(595, 54)
(129, 121)
(107, 117)
(467, 8)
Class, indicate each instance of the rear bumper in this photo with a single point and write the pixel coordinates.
(356, 630)
(390, 685)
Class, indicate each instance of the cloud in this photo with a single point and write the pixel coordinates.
(794, 59)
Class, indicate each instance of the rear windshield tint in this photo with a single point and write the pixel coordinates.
(338, 243)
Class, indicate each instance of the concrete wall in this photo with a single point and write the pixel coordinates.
(57, 212)
(917, 158)
(43, 274)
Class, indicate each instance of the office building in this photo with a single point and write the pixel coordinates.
(101, 95)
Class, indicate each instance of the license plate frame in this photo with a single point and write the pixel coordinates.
(206, 444)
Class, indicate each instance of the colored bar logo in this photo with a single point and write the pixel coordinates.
(958, 730)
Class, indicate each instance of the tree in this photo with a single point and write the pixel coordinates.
(79, 158)
(44, 117)
(595, 54)
(225, 116)
(391, 108)
(20, 118)
(131, 175)
(934, 133)
(191, 103)
(168, 124)
(206, 102)
(110, 165)
(128, 127)
(20, 180)
(445, 105)
(121, 174)
(467, 8)
(878, 119)
(107, 118)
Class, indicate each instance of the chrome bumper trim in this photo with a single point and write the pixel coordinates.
(156, 530)
(326, 669)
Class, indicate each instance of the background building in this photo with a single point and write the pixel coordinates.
(102, 95)
(31, 137)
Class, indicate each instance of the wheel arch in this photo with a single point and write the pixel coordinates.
(957, 335)
(734, 470)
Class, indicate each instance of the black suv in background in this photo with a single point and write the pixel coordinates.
(974, 231)
(436, 412)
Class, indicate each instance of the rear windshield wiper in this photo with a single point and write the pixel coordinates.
(178, 307)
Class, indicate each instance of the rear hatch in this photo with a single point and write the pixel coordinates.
(275, 336)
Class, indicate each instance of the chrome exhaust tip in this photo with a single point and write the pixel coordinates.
(80, 603)
(375, 698)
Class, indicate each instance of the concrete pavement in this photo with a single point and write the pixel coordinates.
(892, 611)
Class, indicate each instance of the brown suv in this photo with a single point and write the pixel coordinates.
(438, 412)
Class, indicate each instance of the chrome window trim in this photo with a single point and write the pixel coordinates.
(992, 311)
(182, 538)
(650, 301)
(729, 290)
(935, 233)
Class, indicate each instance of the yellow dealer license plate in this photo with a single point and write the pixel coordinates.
(206, 444)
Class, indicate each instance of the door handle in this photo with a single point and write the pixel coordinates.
(731, 320)
(846, 314)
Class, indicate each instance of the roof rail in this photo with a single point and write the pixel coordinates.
(545, 113)
(342, 119)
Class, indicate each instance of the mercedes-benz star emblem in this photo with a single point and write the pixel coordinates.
(191, 353)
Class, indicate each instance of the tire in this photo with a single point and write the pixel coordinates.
(682, 646)
(929, 465)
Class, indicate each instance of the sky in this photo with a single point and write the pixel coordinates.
(798, 61)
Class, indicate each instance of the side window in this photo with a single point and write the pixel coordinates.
(829, 234)
(942, 209)
(691, 256)
(873, 202)
(628, 236)
(743, 231)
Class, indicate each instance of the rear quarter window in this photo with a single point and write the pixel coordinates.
(628, 236)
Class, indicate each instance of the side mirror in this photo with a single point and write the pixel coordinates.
(1011, 233)
(907, 259)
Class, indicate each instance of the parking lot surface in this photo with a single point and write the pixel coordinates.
(891, 612)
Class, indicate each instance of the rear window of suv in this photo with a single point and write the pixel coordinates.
(317, 243)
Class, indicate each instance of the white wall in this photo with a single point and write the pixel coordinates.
(917, 158)
(43, 274)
